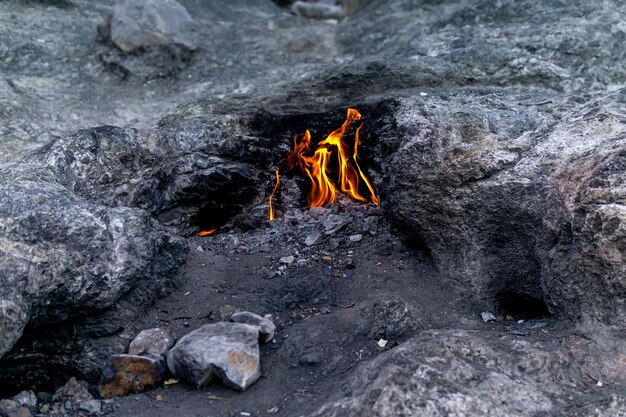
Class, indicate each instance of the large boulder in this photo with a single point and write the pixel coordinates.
(461, 373)
(519, 197)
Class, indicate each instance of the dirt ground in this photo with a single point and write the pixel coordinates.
(331, 309)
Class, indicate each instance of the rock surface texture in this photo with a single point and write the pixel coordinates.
(494, 132)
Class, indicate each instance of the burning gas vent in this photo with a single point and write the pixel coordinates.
(330, 167)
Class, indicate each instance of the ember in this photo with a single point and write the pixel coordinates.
(317, 167)
(207, 232)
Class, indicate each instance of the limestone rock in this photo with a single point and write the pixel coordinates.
(155, 341)
(229, 351)
(131, 374)
(26, 398)
(145, 23)
(265, 324)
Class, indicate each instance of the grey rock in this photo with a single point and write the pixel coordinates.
(267, 328)
(142, 24)
(392, 320)
(487, 316)
(334, 243)
(313, 239)
(356, 238)
(229, 351)
(26, 398)
(73, 392)
(335, 222)
(317, 10)
(546, 211)
(157, 341)
(92, 407)
(287, 260)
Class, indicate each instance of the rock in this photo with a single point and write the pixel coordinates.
(317, 10)
(392, 320)
(312, 239)
(265, 324)
(142, 24)
(126, 374)
(356, 238)
(44, 397)
(8, 404)
(229, 351)
(26, 398)
(335, 222)
(17, 412)
(155, 341)
(92, 407)
(73, 392)
(546, 213)
(287, 260)
(487, 316)
(334, 243)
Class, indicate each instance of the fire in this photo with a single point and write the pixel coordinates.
(207, 232)
(316, 165)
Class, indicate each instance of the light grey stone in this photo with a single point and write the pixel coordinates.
(26, 398)
(229, 351)
(267, 328)
(317, 10)
(145, 23)
(157, 341)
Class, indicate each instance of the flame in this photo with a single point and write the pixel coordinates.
(316, 166)
(207, 232)
(273, 195)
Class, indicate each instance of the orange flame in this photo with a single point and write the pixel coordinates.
(207, 232)
(316, 166)
(273, 195)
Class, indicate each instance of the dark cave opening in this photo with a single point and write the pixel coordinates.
(520, 306)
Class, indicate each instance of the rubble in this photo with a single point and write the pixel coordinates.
(155, 341)
(267, 328)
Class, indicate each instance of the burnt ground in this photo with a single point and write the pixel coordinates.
(331, 307)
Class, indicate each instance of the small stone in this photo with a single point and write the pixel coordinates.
(92, 407)
(317, 10)
(335, 222)
(312, 239)
(288, 260)
(26, 398)
(356, 238)
(199, 249)
(487, 316)
(266, 326)
(156, 341)
(8, 404)
(317, 212)
(131, 373)
(382, 343)
(334, 243)
(229, 351)
(73, 391)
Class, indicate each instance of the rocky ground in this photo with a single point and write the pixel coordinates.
(490, 281)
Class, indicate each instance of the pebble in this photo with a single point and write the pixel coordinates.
(487, 316)
(157, 341)
(312, 239)
(356, 238)
(288, 260)
(334, 243)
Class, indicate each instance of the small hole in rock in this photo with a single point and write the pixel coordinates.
(520, 306)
